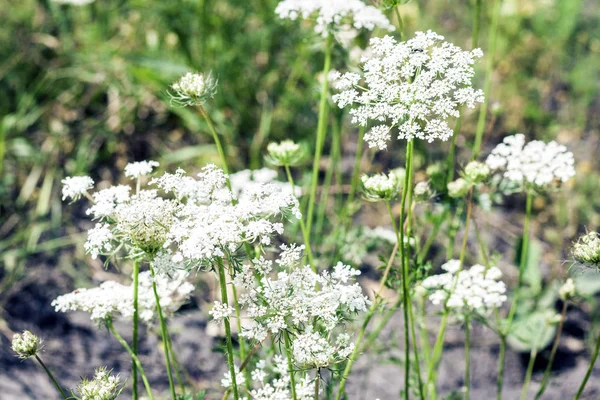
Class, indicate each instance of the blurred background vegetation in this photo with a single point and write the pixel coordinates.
(84, 91)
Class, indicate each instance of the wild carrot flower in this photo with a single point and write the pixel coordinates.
(26, 345)
(476, 172)
(285, 153)
(475, 290)
(567, 291)
(586, 251)
(458, 188)
(330, 15)
(246, 182)
(104, 386)
(535, 163)
(141, 168)
(414, 86)
(76, 186)
(193, 89)
(381, 187)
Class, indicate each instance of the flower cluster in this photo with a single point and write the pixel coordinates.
(194, 89)
(247, 181)
(299, 300)
(331, 14)
(535, 163)
(26, 345)
(414, 85)
(112, 298)
(141, 168)
(104, 386)
(76, 186)
(586, 251)
(381, 187)
(477, 290)
(286, 153)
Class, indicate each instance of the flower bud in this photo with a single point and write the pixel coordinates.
(476, 172)
(286, 153)
(194, 89)
(26, 345)
(423, 191)
(458, 188)
(380, 187)
(567, 290)
(388, 4)
(587, 250)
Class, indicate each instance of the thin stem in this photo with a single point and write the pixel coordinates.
(589, 371)
(356, 169)
(164, 334)
(493, 33)
(476, 23)
(400, 22)
(317, 375)
(241, 340)
(288, 351)
(532, 357)
(215, 136)
(229, 342)
(134, 357)
(452, 151)
(501, 357)
(546, 378)
(467, 395)
(62, 393)
(321, 133)
(134, 340)
(305, 232)
(384, 321)
(176, 364)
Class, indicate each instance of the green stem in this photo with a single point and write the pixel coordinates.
(230, 361)
(164, 334)
(431, 238)
(452, 151)
(589, 371)
(321, 133)
(305, 231)
(467, 395)
(493, 33)
(176, 364)
(501, 357)
(134, 340)
(384, 321)
(134, 357)
(532, 357)
(476, 23)
(241, 340)
(215, 136)
(356, 169)
(546, 378)
(288, 351)
(317, 375)
(62, 393)
(3, 128)
(400, 22)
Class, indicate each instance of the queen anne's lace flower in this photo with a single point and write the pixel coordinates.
(193, 89)
(535, 163)
(567, 291)
(112, 298)
(141, 168)
(26, 344)
(381, 186)
(104, 386)
(586, 251)
(414, 85)
(312, 349)
(285, 153)
(330, 15)
(76, 186)
(247, 181)
(221, 311)
(476, 290)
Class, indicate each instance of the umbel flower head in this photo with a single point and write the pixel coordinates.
(388, 4)
(459, 188)
(476, 172)
(477, 290)
(76, 186)
(26, 345)
(533, 164)
(285, 153)
(193, 89)
(330, 15)
(104, 386)
(381, 187)
(567, 291)
(586, 251)
(413, 86)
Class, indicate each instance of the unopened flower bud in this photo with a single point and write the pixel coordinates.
(587, 250)
(420, 291)
(26, 345)
(194, 89)
(423, 191)
(458, 188)
(286, 153)
(380, 187)
(567, 290)
(476, 171)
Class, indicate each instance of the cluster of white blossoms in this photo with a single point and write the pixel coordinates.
(113, 299)
(76, 186)
(586, 252)
(104, 386)
(285, 153)
(301, 301)
(26, 344)
(331, 14)
(381, 186)
(208, 223)
(475, 290)
(193, 89)
(247, 181)
(414, 86)
(533, 163)
(77, 3)
(204, 219)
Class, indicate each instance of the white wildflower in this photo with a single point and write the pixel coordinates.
(381, 187)
(285, 153)
(314, 350)
(221, 311)
(141, 168)
(414, 86)
(194, 89)
(567, 290)
(458, 188)
(26, 344)
(586, 251)
(104, 386)
(76, 186)
(535, 163)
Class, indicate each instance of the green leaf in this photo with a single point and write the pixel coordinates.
(532, 330)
